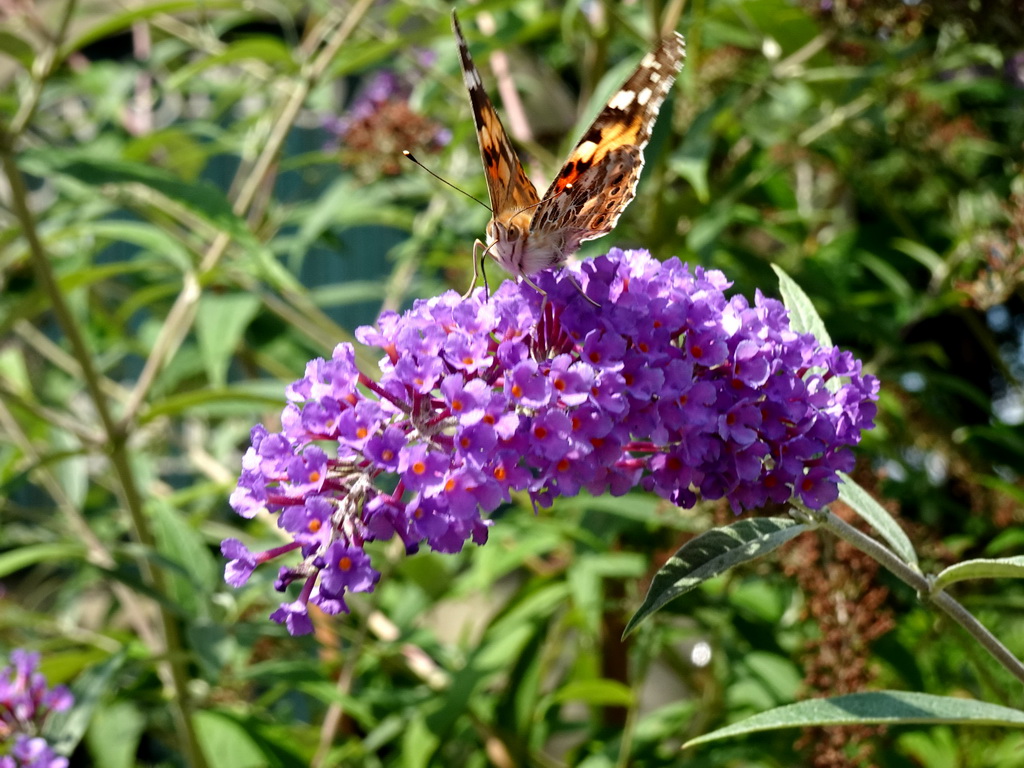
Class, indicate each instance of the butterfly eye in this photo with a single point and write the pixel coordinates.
(512, 233)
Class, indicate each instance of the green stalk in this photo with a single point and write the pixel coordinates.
(920, 582)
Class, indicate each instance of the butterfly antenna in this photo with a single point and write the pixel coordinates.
(410, 156)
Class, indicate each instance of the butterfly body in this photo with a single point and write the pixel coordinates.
(528, 232)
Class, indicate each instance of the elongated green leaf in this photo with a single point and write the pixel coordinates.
(921, 253)
(146, 236)
(110, 25)
(888, 707)
(181, 544)
(200, 198)
(220, 323)
(114, 734)
(23, 557)
(802, 314)
(892, 277)
(597, 693)
(712, 553)
(345, 203)
(861, 502)
(1001, 568)
(65, 729)
(271, 51)
(693, 158)
(221, 734)
(238, 399)
(17, 48)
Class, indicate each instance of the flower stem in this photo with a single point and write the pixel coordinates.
(919, 581)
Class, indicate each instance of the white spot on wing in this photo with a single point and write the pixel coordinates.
(622, 99)
(643, 96)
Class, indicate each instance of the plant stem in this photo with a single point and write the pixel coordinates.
(172, 668)
(183, 312)
(42, 68)
(920, 582)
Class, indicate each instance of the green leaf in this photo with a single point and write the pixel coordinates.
(17, 48)
(779, 677)
(64, 729)
(347, 202)
(712, 553)
(144, 235)
(802, 314)
(114, 734)
(219, 735)
(220, 323)
(637, 507)
(267, 50)
(601, 693)
(108, 27)
(200, 198)
(419, 743)
(1001, 568)
(14, 371)
(587, 576)
(889, 275)
(861, 502)
(72, 471)
(22, 557)
(182, 545)
(1009, 539)
(693, 158)
(237, 399)
(877, 707)
(921, 253)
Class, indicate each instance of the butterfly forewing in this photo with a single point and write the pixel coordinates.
(607, 161)
(509, 187)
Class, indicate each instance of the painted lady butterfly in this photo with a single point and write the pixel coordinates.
(528, 233)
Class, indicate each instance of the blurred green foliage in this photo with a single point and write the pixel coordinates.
(203, 234)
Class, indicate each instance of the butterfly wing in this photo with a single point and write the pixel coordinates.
(605, 166)
(509, 187)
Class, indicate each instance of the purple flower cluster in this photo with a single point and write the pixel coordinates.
(25, 703)
(666, 384)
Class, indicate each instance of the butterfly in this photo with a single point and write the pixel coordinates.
(528, 233)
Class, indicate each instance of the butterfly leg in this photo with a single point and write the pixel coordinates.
(478, 268)
(572, 279)
(526, 279)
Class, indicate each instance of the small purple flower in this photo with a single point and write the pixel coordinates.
(668, 385)
(32, 752)
(347, 568)
(241, 562)
(25, 704)
(294, 616)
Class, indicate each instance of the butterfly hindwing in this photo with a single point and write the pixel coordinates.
(597, 198)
